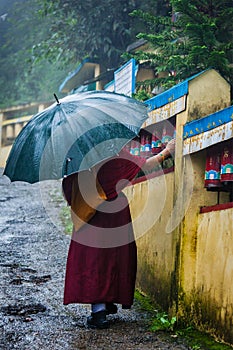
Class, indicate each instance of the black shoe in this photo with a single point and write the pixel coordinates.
(98, 320)
(111, 308)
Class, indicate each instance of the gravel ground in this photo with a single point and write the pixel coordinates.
(33, 253)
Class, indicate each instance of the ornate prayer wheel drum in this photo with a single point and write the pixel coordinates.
(135, 147)
(156, 143)
(145, 149)
(227, 162)
(213, 167)
(167, 133)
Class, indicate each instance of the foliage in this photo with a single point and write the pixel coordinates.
(24, 80)
(98, 29)
(158, 320)
(200, 340)
(144, 301)
(162, 322)
(64, 210)
(66, 220)
(197, 35)
(142, 95)
(42, 41)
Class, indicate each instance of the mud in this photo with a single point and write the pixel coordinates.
(33, 251)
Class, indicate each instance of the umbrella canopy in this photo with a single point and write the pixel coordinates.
(74, 135)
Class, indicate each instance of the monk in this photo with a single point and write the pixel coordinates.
(102, 258)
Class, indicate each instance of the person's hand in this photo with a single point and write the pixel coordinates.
(171, 146)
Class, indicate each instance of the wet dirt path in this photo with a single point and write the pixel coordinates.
(33, 252)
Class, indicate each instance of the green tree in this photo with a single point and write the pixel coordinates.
(98, 29)
(22, 78)
(195, 36)
(46, 39)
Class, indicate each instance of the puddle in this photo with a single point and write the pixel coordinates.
(22, 310)
(5, 235)
(31, 279)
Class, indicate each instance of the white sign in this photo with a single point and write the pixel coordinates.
(166, 111)
(124, 79)
(109, 87)
(208, 138)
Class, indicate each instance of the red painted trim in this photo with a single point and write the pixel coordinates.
(152, 175)
(216, 207)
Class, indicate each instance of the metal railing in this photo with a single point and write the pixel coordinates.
(13, 119)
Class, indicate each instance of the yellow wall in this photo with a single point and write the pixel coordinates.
(151, 209)
(214, 278)
(189, 269)
(4, 152)
(188, 227)
(209, 299)
(145, 74)
(12, 120)
(208, 93)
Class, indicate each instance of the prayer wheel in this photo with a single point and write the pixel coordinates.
(156, 143)
(135, 147)
(227, 162)
(145, 148)
(167, 133)
(213, 167)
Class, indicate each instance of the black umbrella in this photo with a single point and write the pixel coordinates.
(73, 135)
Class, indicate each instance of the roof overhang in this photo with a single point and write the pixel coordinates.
(140, 44)
(84, 72)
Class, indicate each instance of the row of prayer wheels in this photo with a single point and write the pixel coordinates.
(148, 143)
(219, 165)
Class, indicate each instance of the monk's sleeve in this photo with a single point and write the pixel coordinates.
(132, 165)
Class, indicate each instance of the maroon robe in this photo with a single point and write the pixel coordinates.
(102, 259)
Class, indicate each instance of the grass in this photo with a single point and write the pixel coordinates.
(159, 321)
(66, 220)
(64, 212)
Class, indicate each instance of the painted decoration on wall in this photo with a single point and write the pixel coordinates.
(205, 132)
(165, 112)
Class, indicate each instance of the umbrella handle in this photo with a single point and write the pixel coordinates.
(56, 98)
(66, 167)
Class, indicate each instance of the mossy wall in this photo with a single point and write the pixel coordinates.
(208, 93)
(208, 302)
(151, 208)
(185, 259)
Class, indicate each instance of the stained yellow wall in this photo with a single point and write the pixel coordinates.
(207, 300)
(190, 268)
(208, 93)
(145, 74)
(4, 152)
(206, 260)
(189, 225)
(151, 208)
(214, 271)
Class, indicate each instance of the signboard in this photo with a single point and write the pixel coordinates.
(208, 138)
(166, 111)
(124, 79)
(109, 86)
